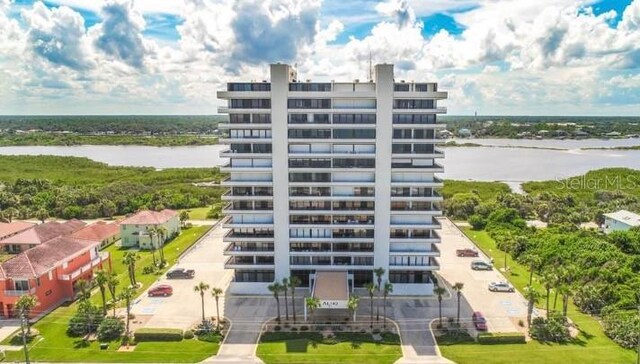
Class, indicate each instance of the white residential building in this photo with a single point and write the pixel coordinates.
(334, 176)
(620, 221)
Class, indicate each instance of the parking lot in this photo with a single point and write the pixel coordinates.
(183, 308)
(502, 310)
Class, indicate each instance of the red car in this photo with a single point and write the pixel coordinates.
(163, 290)
(467, 252)
(479, 321)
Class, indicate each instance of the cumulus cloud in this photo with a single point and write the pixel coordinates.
(273, 30)
(120, 33)
(399, 10)
(58, 35)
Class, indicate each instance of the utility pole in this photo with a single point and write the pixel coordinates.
(23, 323)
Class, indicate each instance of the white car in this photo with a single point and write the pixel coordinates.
(500, 287)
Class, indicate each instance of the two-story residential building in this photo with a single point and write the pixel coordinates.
(135, 230)
(39, 234)
(49, 271)
(101, 232)
(622, 220)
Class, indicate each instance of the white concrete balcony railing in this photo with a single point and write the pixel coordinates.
(85, 268)
(435, 110)
(19, 292)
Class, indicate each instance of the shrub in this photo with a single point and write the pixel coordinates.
(211, 337)
(158, 334)
(149, 269)
(553, 329)
(477, 222)
(110, 328)
(86, 320)
(304, 328)
(623, 327)
(376, 330)
(277, 328)
(501, 338)
(188, 335)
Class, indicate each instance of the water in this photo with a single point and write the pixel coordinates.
(463, 163)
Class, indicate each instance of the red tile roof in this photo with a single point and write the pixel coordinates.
(98, 231)
(42, 233)
(37, 261)
(11, 228)
(148, 217)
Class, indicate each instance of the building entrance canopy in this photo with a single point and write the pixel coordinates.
(332, 289)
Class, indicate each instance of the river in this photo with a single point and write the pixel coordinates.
(513, 161)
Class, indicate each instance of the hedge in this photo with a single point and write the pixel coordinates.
(149, 334)
(501, 338)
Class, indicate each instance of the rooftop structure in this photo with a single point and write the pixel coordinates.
(620, 221)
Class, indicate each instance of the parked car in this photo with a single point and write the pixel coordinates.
(467, 252)
(500, 287)
(481, 265)
(163, 290)
(479, 321)
(181, 273)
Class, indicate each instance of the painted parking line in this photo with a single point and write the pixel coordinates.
(148, 310)
(506, 303)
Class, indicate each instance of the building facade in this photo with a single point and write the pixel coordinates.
(335, 176)
(49, 271)
(142, 229)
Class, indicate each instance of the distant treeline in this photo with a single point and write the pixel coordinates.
(556, 126)
(119, 124)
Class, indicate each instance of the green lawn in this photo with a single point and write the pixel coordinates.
(57, 346)
(309, 347)
(591, 345)
(198, 213)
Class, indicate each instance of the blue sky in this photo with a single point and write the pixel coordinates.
(147, 56)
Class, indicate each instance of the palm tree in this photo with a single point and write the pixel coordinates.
(293, 283)
(352, 305)
(534, 261)
(153, 233)
(184, 216)
(112, 283)
(84, 287)
(275, 288)
(201, 288)
(312, 303)
(371, 289)
(129, 259)
(285, 288)
(25, 304)
(532, 297)
(216, 293)
(458, 288)
(162, 231)
(547, 282)
(439, 291)
(379, 272)
(387, 289)
(101, 280)
(127, 294)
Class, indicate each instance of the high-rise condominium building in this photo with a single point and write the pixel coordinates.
(332, 176)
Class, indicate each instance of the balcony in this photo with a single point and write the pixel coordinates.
(243, 249)
(258, 262)
(19, 292)
(85, 268)
(418, 249)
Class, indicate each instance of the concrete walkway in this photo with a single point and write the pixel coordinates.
(247, 314)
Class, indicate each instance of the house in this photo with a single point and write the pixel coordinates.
(135, 229)
(101, 232)
(39, 234)
(8, 229)
(620, 221)
(49, 271)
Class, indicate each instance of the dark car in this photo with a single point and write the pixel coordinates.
(479, 321)
(163, 290)
(481, 265)
(467, 252)
(181, 273)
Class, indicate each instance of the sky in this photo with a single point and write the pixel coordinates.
(495, 57)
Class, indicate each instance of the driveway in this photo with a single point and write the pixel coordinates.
(183, 309)
(502, 310)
